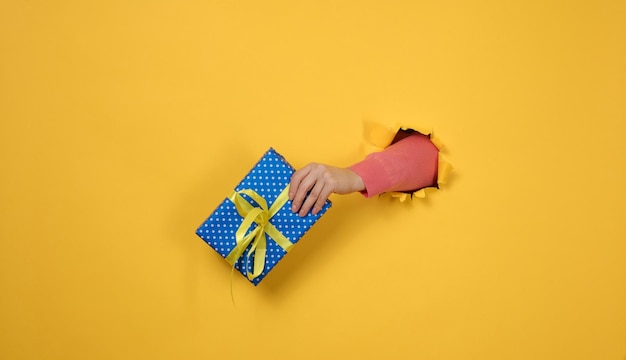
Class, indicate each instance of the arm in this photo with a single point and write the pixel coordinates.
(407, 165)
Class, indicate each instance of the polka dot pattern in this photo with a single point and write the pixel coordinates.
(268, 178)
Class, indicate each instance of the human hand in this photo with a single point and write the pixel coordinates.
(321, 180)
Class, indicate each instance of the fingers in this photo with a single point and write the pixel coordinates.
(321, 199)
(310, 188)
(296, 180)
(301, 183)
(316, 198)
(310, 199)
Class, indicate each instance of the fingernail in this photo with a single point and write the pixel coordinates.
(294, 208)
(315, 210)
(290, 196)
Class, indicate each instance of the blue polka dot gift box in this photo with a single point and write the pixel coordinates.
(254, 227)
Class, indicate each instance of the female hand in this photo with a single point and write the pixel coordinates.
(319, 181)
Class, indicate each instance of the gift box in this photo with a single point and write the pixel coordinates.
(254, 227)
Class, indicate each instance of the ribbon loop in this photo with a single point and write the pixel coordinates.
(254, 236)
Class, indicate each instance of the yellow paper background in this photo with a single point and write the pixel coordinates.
(124, 123)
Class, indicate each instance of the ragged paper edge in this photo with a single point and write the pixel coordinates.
(378, 136)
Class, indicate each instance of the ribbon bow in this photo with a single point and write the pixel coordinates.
(260, 215)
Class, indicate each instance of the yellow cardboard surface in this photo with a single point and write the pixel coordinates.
(124, 123)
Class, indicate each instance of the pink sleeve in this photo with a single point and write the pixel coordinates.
(407, 165)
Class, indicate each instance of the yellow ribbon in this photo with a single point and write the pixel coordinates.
(260, 215)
